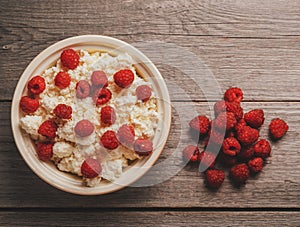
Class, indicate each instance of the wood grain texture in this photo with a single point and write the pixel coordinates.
(277, 186)
(94, 218)
(207, 17)
(250, 44)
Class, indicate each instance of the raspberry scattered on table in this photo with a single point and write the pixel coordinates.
(256, 165)
(214, 178)
(232, 140)
(246, 153)
(241, 123)
(201, 124)
(278, 128)
(255, 118)
(225, 121)
(239, 173)
(231, 146)
(233, 94)
(247, 135)
(262, 149)
(234, 107)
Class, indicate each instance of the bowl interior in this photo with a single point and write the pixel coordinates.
(68, 182)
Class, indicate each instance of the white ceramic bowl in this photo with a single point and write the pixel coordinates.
(48, 171)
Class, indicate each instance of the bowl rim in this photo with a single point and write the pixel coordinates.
(28, 72)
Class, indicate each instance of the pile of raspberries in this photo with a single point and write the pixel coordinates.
(232, 141)
(97, 89)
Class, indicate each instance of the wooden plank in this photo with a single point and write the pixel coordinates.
(277, 186)
(137, 218)
(264, 70)
(206, 17)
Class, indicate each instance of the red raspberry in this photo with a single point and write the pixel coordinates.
(239, 173)
(143, 92)
(126, 135)
(48, 128)
(45, 151)
(234, 107)
(62, 80)
(83, 89)
(227, 160)
(99, 79)
(69, 58)
(109, 140)
(214, 178)
(256, 165)
(255, 118)
(102, 96)
(247, 135)
(246, 153)
(29, 105)
(108, 115)
(262, 149)
(190, 153)
(36, 85)
(124, 78)
(225, 120)
(233, 95)
(90, 168)
(200, 124)
(241, 123)
(143, 146)
(63, 111)
(278, 128)
(231, 146)
(84, 128)
(207, 158)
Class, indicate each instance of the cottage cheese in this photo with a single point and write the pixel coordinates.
(31, 125)
(63, 149)
(70, 151)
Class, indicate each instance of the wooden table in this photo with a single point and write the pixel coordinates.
(251, 44)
